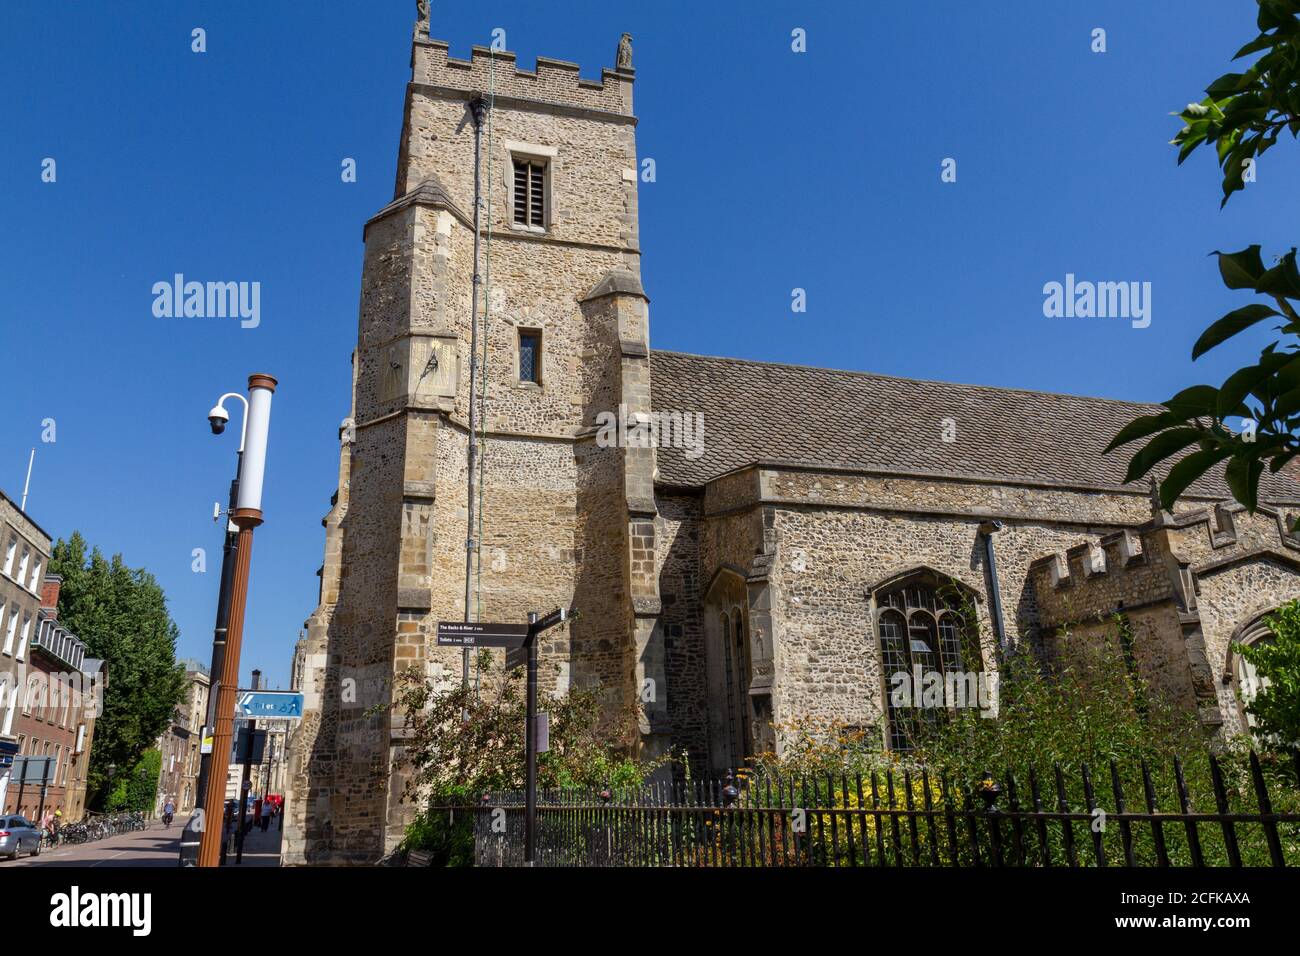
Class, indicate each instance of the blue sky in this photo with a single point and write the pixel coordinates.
(225, 165)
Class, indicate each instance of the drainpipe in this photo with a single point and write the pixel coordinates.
(478, 109)
(987, 530)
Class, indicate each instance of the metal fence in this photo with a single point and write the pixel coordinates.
(1139, 816)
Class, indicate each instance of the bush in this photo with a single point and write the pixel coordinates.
(462, 744)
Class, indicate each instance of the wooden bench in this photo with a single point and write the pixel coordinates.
(419, 858)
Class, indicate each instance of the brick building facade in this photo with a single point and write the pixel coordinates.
(776, 570)
(50, 690)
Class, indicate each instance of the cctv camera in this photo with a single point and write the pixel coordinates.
(217, 418)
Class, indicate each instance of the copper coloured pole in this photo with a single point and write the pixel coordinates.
(247, 516)
(223, 725)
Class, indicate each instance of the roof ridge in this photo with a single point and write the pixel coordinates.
(903, 378)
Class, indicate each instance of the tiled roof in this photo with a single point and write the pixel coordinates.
(757, 411)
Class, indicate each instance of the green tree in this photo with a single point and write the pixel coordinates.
(137, 789)
(1241, 116)
(1276, 708)
(121, 614)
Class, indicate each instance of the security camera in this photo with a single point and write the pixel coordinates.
(217, 418)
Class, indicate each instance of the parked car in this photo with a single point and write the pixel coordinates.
(18, 835)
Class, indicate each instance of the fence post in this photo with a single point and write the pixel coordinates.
(1266, 809)
(1098, 849)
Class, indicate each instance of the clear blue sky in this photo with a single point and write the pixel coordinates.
(225, 165)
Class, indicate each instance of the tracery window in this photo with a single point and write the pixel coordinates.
(922, 630)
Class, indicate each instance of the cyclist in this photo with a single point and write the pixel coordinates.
(169, 810)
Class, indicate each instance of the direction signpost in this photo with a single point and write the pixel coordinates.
(518, 640)
(481, 634)
(532, 730)
(252, 705)
(270, 704)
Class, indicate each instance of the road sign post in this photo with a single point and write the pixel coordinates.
(535, 627)
(530, 751)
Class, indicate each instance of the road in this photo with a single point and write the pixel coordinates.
(154, 846)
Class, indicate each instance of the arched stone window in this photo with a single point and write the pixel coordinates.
(922, 627)
(1241, 671)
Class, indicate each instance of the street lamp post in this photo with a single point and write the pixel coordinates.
(247, 516)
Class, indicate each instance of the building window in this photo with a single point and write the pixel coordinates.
(530, 356)
(9, 555)
(22, 565)
(922, 630)
(11, 630)
(530, 193)
(36, 576)
(27, 632)
(8, 698)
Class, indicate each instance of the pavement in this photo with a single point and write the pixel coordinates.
(260, 849)
(153, 846)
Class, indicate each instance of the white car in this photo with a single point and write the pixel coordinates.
(18, 835)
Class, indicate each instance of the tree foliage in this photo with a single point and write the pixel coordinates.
(137, 788)
(1241, 116)
(121, 614)
(462, 742)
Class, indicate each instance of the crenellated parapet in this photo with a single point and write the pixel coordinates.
(1182, 582)
(1123, 569)
(556, 82)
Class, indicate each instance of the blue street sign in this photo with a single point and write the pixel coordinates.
(269, 704)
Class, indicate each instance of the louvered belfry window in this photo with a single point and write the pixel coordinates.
(530, 193)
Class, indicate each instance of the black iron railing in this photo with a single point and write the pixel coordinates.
(1225, 813)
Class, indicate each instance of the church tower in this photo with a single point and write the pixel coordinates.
(562, 338)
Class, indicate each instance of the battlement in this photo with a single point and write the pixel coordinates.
(1114, 552)
(555, 82)
(1125, 569)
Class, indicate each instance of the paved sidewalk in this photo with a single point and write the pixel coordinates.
(260, 849)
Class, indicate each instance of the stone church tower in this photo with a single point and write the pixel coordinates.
(565, 337)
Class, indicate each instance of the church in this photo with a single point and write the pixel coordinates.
(820, 531)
